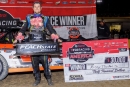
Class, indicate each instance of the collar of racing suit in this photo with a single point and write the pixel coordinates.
(37, 15)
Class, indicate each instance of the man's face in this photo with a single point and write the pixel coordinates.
(37, 8)
(101, 23)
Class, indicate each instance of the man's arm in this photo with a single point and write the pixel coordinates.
(49, 27)
(98, 29)
(107, 30)
(21, 31)
(24, 27)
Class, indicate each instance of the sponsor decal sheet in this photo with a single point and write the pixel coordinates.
(96, 60)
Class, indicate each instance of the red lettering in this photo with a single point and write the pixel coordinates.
(57, 26)
(81, 45)
(79, 55)
(67, 65)
(3, 15)
(72, 56)
(68, 28)
(83, 55)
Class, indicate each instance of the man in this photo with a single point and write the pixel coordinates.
(103, 30)
(37, 34)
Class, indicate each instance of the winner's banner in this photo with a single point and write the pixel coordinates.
(86, 25)
(96, 60)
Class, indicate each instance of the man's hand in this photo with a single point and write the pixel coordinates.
(15, 41)
(19, 37)
(59, 40)
(54, 36)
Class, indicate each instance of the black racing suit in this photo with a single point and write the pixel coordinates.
(103, 31)
(39, 59)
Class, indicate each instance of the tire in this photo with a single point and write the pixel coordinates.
(3, 68)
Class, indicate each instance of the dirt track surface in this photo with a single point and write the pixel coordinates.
(26, 80)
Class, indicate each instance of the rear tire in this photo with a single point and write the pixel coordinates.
(3, 68)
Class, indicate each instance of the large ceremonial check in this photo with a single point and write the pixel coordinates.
(96, 60)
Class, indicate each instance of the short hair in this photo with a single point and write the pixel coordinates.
(37, 2)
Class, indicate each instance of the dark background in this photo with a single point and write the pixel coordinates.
(113, 8)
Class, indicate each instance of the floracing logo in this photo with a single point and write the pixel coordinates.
(76, 67)
(80, 53)
(76, 77)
